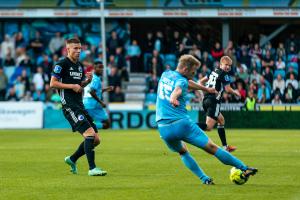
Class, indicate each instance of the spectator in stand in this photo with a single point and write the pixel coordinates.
(149, 44)
(3, 84)
(113, 42)
(276, 99)
(268, 61)
(157, 61)
(268, 75)
(280, 64)
(206, 60)
(245, 59)
(229, 47)
(38, 79)
(279, 83)
(19, 41)
(291, 41)
(19, 87)
(28, 64)
(9, 61)
(134, 53)
(159, 43)
(56, 44)
(7, 46)
(12, 95)
(292, 81)
(37, 45)
(46, 64)
(201, 44)
(242, 91)
(290, 94)
(113, 78)
(195, 52)
(152, 82)
(121, 64)
(242, 72)
(263, 94)
(118, 95)
(175, 42)
(250, 41)
(181, 51)
(280, 52)
(39, 95)
(268, 47)
(254, 86)
(25, 80)
(187, 41)
(256, 52)
(217, 51)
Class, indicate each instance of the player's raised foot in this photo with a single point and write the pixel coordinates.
(97, 172)
(71, 164)
(209, 181)
(250, 171)
(230, 148)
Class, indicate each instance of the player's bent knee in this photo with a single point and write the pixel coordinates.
(211, 148)
(89, 132)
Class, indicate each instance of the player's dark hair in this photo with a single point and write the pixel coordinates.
(73, 41)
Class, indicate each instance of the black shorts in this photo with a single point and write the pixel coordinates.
(211, 107)
(79, 119)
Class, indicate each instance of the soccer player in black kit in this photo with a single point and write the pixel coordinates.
(69, 78)
(220, 80)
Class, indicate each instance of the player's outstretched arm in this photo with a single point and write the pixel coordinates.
(94, 95)
(229, 89)
(174, 96)
(55, 83)
(195, 86)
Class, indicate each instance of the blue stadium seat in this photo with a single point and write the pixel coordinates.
(279, 71)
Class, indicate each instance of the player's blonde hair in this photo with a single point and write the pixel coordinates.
(188, 61)
(226, 59)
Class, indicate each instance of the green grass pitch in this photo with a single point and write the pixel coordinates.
(141, 167)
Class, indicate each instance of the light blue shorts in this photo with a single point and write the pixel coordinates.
(98, 114)
(182, 130)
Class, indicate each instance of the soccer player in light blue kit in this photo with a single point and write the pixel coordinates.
(176, 127)
(92, 98)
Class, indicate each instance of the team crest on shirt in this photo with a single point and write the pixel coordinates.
(80, 117)
(57, 69)
(227, 78)
(80, 69)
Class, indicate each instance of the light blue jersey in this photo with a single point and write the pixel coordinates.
(96, 85)
(165, 111)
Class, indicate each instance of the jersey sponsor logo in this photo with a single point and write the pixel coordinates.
(227, 78)
(76, 75)
(71, 68)
(57, 69)
(80, 117)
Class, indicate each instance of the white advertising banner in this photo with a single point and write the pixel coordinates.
(17, 115)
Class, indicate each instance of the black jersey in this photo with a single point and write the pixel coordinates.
(69, 73)
(217, 79)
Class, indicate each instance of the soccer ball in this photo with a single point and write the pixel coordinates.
(237, 176)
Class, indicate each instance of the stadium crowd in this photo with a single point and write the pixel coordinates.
(270, 74)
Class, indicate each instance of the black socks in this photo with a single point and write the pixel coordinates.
(78, 153)
(222, 135)
(89, 151)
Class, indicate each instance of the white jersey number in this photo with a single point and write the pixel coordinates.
(164, 91)
(211, 83)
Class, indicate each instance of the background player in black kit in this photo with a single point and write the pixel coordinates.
(220, 80)
(68, 77)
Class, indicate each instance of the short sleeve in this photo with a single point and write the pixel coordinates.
(183, 84)
(226, 79)
(57, 71)
(94, 85)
